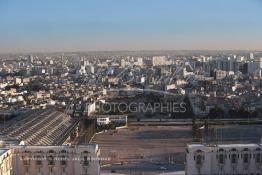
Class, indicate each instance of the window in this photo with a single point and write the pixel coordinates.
(221, 159)
(199, 159)
(51, 160)
(233, 158)
(63, 157)
(258, 158)
(85, 161)
(63, 160)
(26, 160)
(85, 156)
(38, 160)
(26, 157)
(50, 157)
(245, 160)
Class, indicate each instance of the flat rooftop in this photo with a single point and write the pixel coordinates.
(223, 145)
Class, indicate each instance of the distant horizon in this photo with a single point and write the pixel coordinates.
(100, 51)
(111, 25)
(123, 50)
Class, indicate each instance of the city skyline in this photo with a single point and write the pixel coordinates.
(52, 26)
(153, 87)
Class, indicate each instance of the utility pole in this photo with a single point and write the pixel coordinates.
(4, 120)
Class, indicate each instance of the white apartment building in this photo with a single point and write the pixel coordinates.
(232, 159)
(160, 61)
(50, 160)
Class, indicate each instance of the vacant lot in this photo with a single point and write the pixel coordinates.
(155, 145)
(149, 148)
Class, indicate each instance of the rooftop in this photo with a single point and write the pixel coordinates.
(223, 145)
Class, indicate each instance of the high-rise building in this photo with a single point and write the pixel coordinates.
(251, 56)
(260, 62)
(30, 59)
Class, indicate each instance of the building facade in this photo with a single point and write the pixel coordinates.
(5, 162)
(50, 160)
(232, 159)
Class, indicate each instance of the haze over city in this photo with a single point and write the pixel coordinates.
(39, 26)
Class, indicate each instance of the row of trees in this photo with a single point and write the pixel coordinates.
(196, 131)
(232, 113)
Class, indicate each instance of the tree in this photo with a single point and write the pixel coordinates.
(196, 132)
(189, 111)
(242, 113)
(232, 113)
(216, 113)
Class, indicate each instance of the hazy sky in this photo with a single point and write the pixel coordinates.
(83, 25)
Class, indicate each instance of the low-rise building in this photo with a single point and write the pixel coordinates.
(106, 119)
(230, 159)
(55, 160)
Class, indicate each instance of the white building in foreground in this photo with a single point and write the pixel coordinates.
(107, 119)
(50, 160)
(232, 159)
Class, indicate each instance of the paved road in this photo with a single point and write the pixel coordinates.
(144, 168)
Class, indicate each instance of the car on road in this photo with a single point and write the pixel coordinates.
(163, 168)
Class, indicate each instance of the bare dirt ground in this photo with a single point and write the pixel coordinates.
(145, 143)
(156, 149)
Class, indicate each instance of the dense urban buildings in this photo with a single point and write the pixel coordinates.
(63, 102)
(229, 82)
